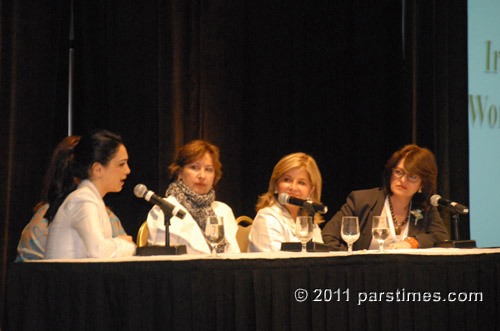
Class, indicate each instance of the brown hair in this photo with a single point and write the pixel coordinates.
(61, 157)
(193, 151)
(417, 161)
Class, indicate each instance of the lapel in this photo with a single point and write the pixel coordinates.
(413, 229)
(96, 197)
(188, 230)
(372, 204)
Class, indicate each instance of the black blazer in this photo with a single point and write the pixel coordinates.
(368, 203)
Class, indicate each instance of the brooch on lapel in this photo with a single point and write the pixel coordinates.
(417, 215)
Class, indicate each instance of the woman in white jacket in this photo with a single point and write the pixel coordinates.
(194, 173)
(79, 223)
(297, 175)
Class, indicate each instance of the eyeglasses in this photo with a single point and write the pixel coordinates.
(398, 173)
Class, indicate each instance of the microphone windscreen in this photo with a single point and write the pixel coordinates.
(435, 200)
(140, 190)
(283, 198)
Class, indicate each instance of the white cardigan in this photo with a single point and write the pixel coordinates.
(187, 232)
(81, 228)
(272, 226)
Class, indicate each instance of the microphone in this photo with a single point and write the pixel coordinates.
(284, 198)
(454, 206)
(141, 191)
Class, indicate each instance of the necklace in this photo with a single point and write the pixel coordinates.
(398, 226)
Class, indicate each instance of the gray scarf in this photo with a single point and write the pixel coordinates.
(198, 205)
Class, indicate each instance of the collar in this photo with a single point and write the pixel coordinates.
(86, 183)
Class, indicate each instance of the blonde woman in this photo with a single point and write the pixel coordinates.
(297, 175)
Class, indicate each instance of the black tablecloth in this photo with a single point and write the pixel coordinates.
(344, 293)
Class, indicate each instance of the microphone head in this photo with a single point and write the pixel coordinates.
(140, 190)
(435, 199)
(283, 198)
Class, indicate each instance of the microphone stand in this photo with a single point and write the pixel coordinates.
(455, 225)
(310, 209)
(311, 245)
(457, 243)
(163, 250)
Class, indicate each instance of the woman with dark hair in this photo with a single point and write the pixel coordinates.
(33, 241)
(34, 236)
(193, 175)
(409, 180)
(80, 226)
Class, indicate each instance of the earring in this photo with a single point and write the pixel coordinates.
(420, 190)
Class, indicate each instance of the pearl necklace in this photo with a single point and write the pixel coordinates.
(398, 226)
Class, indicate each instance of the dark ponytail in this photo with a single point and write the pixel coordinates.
(55, 177)
(99, 147)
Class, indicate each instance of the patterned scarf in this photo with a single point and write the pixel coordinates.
(198, 205)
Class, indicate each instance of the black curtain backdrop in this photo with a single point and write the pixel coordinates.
(439, 97)
(346, 81)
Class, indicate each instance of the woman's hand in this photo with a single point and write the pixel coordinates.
(400, 245)
(126, 238)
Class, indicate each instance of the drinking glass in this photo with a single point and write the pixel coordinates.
(214, 232)
(304, 230)
(350, 231)
(380, 230)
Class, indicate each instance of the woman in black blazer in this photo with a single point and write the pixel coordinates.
(409, 180)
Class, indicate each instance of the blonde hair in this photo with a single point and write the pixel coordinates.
(288, 162)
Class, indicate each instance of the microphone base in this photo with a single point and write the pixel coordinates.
(457, 244)
(161, 250)
(310, 247)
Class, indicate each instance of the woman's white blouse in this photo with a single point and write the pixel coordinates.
(81, 228)
(272, 226)
(187, 232)
(393, 237)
